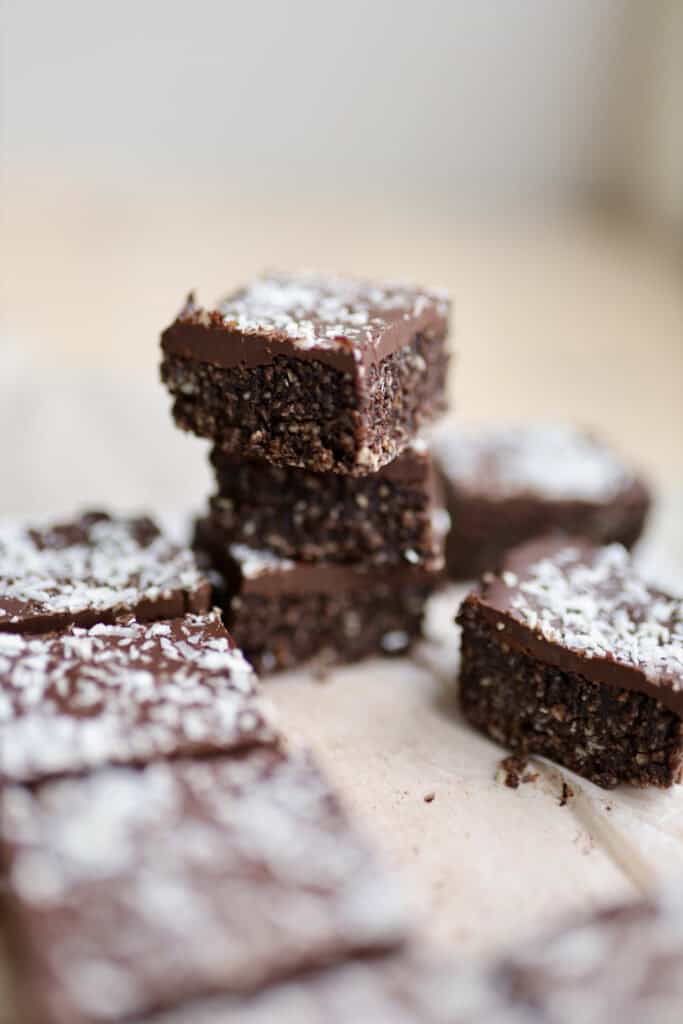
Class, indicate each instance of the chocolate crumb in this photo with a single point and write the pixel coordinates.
(567, 793)
(513, 769)
(428, 797)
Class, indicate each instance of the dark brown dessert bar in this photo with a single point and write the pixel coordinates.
(92, 570)
(284, 613)
(569, 654)
(390, 517)
(622, 963)
(322, 373)
(129, 891)
(507, 484)
(125, 694)
(399, 988)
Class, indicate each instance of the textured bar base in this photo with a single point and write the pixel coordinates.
(606, 734)
(311, 517)
(293, 412)
(277, 632)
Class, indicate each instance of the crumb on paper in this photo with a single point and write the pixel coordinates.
(429, 797)
(511, 771)
(567, 794)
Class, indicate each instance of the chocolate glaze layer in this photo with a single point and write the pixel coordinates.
(129, 892)
(344, 323)
(497, 596)
(95, 569)
(620, 963)
(249, 571)
(125, 694)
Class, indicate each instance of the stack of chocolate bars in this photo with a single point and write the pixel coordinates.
(326, 530)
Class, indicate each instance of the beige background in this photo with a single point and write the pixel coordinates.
(568, 316)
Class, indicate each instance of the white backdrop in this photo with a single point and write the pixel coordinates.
(497, 100)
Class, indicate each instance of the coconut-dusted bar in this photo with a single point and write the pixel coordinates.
(129, 693)
(570, 654)
(506, 484)
(283, 613)
(391, 517)
(94, 569)
(131, 891)
(322, 373)
(398, 988)
(621, 963)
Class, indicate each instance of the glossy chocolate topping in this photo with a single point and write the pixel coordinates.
(587, 610)
(249, 570)
(551, 462)
(96, 568)
(128, 891)
(130, 693)
(343, 322)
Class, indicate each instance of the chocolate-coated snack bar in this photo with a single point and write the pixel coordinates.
(321, 373)
(94, 569)
(283, 613)
(129, 693)
(570, 654)
(131, 891)
(506, 484)
(621, 964)
(391, 517)
(397, 988)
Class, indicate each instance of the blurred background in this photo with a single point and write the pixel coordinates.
(526, 154)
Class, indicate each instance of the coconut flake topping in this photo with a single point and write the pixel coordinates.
(599, 607)
(127, 693)
(552, 461)
(318, 311)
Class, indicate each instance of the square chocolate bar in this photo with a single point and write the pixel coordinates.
(130, 891)
(321, 373)
(95, 569)
(506, 484)
(129, 693)
(284, 613)
(391, 517)
(570, 654)
(404, 987)
(620, 963)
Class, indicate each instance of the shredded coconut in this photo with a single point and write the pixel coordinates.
(97, 563)
(552, 461)
(600, 608)
(318, 311)
(190, 877)
(125, 693)
(255, 562)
